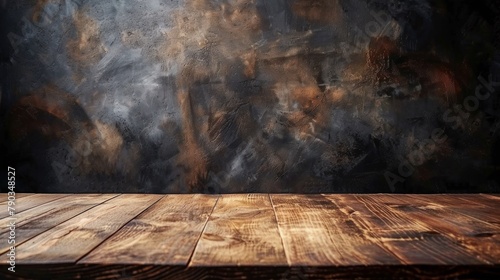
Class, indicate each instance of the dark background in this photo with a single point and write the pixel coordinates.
(167, 96)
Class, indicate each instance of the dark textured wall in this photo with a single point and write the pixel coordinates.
(250, 96)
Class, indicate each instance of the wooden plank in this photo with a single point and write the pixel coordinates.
(242, 230)
(316, 232)
(71, 240)
(491, 195)
(36, 220)
(479, 237)
(26, 202)
(410, 240)
(166, 233)
(488, 201)
(466, 207)
(3, 196)
(19, 195)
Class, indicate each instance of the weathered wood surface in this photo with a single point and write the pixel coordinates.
(242, 230)
(166, 233)
(23, 203)
(471, 207)
(254, 236)
(71, 240)
(312, 221)
(477, 236)
(492, 196)
(487, 200)
(410, 240)
(36, 220)
(3, 196)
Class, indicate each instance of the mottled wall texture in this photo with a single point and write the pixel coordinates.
(223, 96)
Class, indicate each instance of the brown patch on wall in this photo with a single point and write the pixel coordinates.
(380, 56)
(209, 39)
(322, 11)
(447, 86)
(214, 33)
(388, 63)
(249, 60)
(52, 101)
(38, 10)
(439, 79)
(86, 48)
(33, 112)
(299, 95)
(336, 95)
(308, 97)
(111, 143)
(103, 152)
(380, 51)
(191, 156)
(51, 114)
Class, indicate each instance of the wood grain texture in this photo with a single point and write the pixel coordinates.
(316, 232)
(479, 237)
(166, 233)
(467, 207)
(19, 195)
(410, 240)
(26, 202)
(492, 196)
(3, 197)
(485, 200)
(257, 236)
(38, 219)
(71, 240)
(241, 230)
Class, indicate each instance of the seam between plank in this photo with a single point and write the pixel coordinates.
(188, 263)
(279, 231)
(19, 244)
(112, 234)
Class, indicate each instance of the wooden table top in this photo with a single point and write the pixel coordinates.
(252, 236)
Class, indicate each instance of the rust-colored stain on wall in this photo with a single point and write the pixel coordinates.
(222, 96)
